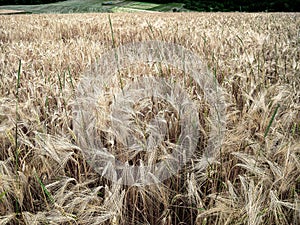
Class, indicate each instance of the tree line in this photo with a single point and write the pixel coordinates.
(238, 5)
(26, 2)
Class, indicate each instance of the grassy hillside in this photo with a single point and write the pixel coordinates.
(79, 6)
(47, 174)
(76, 6)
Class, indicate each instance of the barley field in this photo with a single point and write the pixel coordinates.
(254, 178)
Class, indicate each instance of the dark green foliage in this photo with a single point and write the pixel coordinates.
(26, 2)
(238, 5)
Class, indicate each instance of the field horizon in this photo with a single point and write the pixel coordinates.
(92, 6)
(253, 178)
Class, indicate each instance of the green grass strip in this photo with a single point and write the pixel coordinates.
(47, 193)
(2, 194)
(17, 117)
(271, 121)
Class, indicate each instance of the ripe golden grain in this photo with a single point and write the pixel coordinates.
(254, 180)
